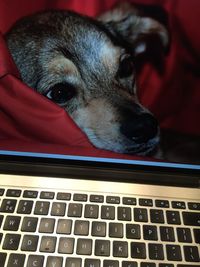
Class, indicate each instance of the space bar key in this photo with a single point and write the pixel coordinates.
(191, 218)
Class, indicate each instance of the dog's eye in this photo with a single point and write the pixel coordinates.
(61, 93)
(126, 67)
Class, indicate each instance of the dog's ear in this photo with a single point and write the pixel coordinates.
(140, 27)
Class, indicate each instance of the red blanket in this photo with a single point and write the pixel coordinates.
(30, 122)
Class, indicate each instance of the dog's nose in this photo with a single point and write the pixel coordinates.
(140, 128)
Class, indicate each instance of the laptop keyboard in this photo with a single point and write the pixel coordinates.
(64, 229)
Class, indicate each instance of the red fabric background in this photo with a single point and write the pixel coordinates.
(29, 121)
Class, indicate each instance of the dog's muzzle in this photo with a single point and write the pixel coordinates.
(140, 128)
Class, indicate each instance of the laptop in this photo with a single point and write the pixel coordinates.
(76, 211)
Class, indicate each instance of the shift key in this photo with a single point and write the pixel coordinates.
(191, 218)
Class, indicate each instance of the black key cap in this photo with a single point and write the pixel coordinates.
(165, 265)
(112, 199)
(173, 253)
(197, 235)
(41, 208)
(75, 210)
(97, 198)
(63, 196)
(73, 262)
(48, 244)
(102, 248)
(92, 263)
(11, 241)
(138, 250)
(29, 243)
(191, 218)
(129, 264)
(46, 225)
(160, 203)
(12, 223)
(64, 226)
(140, 215)
(147, 264)
(191, 254)
(30, 194)
(35, 261)
(146, 202)
(66, 245)
(3, 258)
(133, 231)
(47, 195)
(16, 260)
(53, 261)
(1, 219)
(178, 205)
(91, 211)
(80, 197)
(98, 229)
(194, 206)
(124, 213)
(184, 235)
(110, 263)
(84, 246)
(167, 234)
(1, 194)
(8, 205)
(13, 193)
(108, 212)
(157, 216)
(25, 207)
(173, 217)
(156, 251)
(129, 201)
(120, 249)
(150, 232)
(81, 228)
(58, 209)
(29, 224)
(116, 230)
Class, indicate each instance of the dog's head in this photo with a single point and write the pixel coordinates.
(87, 67)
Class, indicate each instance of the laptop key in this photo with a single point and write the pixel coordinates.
(48, 244)
(102, 248)
(16, 260)
(167, 234)
(53, 261)
(66, 245)
(47, 195)
(29, 224)
(12, 223)
(46, 225)
(73, 262)
(129, 201)
(108, 212)
(173, 217)
(160, 203)
(147, 264)
(191, 254)
(116, 230)
(97, 198)
(191, 218)
(80, 197)
(129, 264)
(41, 208)
(150, 232)
(140, 215)
(1, 219)
(146, 202)
(184, 235)
(112, 199)
(194, 205)
(35, 261)
(29, 243)
(156, 216)
(75, 210)
(13, 193)
(92, 263)
(11, 242)
(58, 209)
(64, 226)
(25, 207)
(110, 263)
(166, 265)
(30, 194)
(197, 235)
(2, 191)
(120, 249)
(63, 196)
(98, 229)
(178, 205)
(124, 213)
(91, 211)
(173, 253)
(81, 228)
(156, 251)
(84, 246)
(3, 258)
(133, 231)
(138, 250)
(8, 205)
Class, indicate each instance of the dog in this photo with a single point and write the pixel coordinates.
(88, 67)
